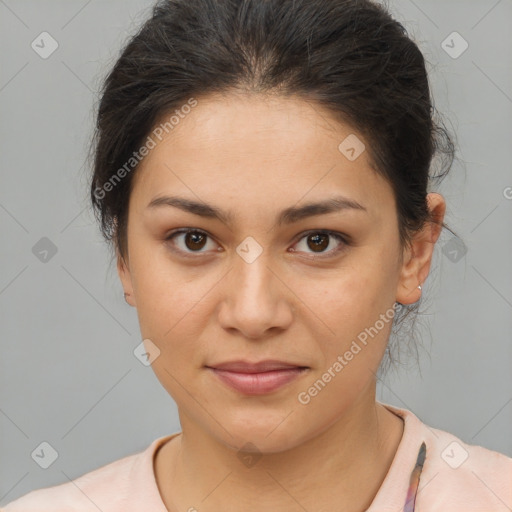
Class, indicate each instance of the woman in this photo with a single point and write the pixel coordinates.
(262, 171)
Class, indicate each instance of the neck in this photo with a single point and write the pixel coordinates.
(341, 468)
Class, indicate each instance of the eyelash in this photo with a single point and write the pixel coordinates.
(329, 254)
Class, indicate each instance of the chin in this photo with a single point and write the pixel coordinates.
(260, 432)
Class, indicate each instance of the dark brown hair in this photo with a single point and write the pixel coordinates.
(350, 56)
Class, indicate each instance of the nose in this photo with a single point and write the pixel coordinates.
(255, 302)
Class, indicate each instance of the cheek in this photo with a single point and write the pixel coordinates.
(163, 286)
(353, 314)
(171, 313)
(344, 300)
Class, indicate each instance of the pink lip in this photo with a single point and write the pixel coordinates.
(256, 378)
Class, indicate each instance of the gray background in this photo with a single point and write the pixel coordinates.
(68, 375)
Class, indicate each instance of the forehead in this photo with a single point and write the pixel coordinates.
(258, 151)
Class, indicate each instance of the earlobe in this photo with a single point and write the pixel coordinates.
(409, 286)
(123, 271)
(418, 257)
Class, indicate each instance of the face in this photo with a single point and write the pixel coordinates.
(259, 277)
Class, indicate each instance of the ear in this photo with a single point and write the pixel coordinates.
(123, 270)
(418, 257)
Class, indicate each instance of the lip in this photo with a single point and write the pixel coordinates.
(257, 378)
(267, 365)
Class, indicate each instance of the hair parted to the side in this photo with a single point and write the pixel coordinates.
(350, 56)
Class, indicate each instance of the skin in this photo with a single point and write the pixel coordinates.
(254, 156)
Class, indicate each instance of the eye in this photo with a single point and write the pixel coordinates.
(193, 240)
(319, 241)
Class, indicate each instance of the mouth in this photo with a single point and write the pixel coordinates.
(257, 378)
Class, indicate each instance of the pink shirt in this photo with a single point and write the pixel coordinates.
(454, 477)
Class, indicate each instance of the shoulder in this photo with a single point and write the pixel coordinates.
(467, 476)
(110, 487)
(86, 493)
(460, 476)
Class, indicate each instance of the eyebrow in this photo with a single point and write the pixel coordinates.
(287, 216)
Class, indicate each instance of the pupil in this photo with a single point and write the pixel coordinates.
(196, 238)
(319, 245)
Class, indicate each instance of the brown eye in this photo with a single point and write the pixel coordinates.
(195, 240)
(188, 241)
(318, 242)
